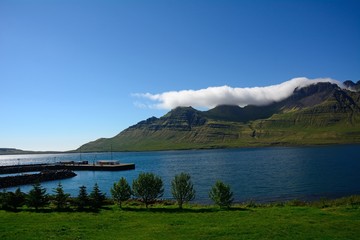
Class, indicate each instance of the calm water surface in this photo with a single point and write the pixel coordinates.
(260, 174)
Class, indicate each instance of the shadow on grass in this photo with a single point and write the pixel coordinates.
(64, 210)
(183, 210)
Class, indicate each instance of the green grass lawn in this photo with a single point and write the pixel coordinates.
(194, 222)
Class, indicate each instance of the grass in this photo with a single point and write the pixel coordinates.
(325, 219)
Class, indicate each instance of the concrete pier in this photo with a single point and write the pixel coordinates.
(69, 165)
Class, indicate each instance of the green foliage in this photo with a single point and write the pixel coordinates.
(82, 200)
(96, 197)
(221, 194)
(351, 201)
(148, 187)
(2, 198)
(60, 198)
(5, 199)
(18, 199)
(12, 200)
(182, 189)
(121, 191)
(37, 197)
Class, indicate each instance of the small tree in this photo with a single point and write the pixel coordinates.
(121, 191)
(82, 199)
(2, 199)
(37, 197)
(60, 198)
(182, 189)
(148, 187)
(221, 194)
(12, 200)
(96, 197)
(17, 199)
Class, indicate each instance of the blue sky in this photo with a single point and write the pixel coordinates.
(69, 69)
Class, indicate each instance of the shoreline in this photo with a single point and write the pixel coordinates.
(182, 149)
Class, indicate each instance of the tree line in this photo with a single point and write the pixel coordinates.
(147, 187)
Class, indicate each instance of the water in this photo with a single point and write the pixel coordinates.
(260, 174)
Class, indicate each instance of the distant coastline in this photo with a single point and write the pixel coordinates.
(14, 151)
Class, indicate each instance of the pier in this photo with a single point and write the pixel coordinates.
(43, 176)
(103, 165)
(69, 165)
(55, 171)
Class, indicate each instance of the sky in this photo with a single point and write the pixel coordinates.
(75, 71)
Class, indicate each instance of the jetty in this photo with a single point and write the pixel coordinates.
(43, 176)
(103, 165)
(55, 171)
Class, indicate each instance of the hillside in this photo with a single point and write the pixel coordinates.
(318, 114)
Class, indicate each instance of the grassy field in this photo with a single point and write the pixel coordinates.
(194, 222)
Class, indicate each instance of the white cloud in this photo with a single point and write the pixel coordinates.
(214, 96)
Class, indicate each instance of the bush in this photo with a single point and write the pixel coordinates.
(182, 189)
(121, 191)
(12, 200)
(148, 187)
(221, 194)
(37, 197)
(17, 199)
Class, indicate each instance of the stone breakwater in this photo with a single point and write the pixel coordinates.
(71, 165)
(46, 175)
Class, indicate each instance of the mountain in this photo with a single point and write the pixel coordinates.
(352, 86)
(321, 113)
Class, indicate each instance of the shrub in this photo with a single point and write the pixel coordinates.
(121, 191)
(221, 194)
(182, 189)
(12, 200)
(148, 187)
(2, 198)
(17, 199)
(252, 204)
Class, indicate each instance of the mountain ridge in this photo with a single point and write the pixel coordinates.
(321, 113)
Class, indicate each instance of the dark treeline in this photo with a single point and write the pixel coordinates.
(147, 188)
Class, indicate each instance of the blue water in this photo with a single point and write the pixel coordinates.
(260, 174)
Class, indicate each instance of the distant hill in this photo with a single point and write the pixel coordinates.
(14, 151)
(5, 151)
(321, 113)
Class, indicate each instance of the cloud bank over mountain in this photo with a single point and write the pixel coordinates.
(224, 95)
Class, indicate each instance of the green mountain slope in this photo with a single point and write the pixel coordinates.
(318, 114)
